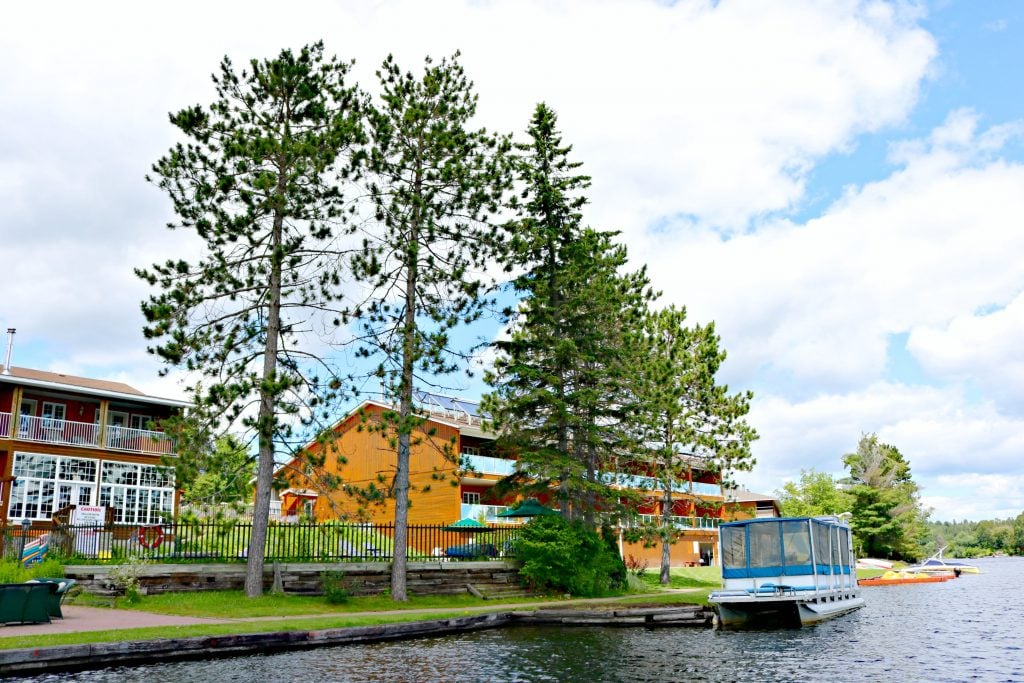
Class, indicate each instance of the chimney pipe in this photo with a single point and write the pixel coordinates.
(10, 347)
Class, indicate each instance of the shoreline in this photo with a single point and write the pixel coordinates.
(67, 658)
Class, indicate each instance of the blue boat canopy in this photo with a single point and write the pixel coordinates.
(801, 546)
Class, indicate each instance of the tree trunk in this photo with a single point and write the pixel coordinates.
(666, 534)
(405, 413)
(265, 425)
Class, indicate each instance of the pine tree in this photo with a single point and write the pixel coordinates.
(888, 519)
(685, 420)
(557, 398)
(434, 185)
(259, 184)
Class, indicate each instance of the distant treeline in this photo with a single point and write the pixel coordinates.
(978, 539)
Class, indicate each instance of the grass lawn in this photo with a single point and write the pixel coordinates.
(234, 604)
(685, 577)
(356, 612)
(238, 627)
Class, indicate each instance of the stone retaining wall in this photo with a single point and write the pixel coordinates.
(360, 578)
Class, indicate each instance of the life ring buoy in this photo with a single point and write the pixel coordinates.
(151, 536)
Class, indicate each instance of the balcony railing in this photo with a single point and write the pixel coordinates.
(708, 523)
(501, 467)
(488, 512)
(487, 465)
(638, 482)
(70, 433)
(139, 441)
(64, 432)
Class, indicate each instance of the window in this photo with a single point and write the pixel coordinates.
(53, 421)
(470, 450)
(140, 421)
(471, 498)
(47, 483)
(54, 411)
(139, 494)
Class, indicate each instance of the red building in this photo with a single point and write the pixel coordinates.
(68, 440)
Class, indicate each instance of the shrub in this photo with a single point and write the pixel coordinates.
(563, 556)
(125, 578)
(334, 587)
(636, 565)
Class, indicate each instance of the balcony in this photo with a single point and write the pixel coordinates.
(641, 483)
(702, 523)
(85, 434)
(488, 512)
(483, 464)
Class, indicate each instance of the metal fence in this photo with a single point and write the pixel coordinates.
(228, 541)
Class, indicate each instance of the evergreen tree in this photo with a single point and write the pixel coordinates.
(684, 419)
(258, 185)
(434, 184)
(888, 520)
(559, 381)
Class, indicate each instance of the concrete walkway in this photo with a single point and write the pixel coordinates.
(102, 619)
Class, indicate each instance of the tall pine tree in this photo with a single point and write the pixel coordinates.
(260, 184)
(685, 420)
(558, 399)
(435, 183)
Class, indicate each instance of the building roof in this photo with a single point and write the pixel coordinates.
(97, 387)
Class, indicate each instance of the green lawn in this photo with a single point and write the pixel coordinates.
(685, 577)
(234, 605)
(238, 627)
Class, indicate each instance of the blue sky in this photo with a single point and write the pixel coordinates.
(839, 185)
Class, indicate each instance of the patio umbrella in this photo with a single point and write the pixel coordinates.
(467, 524)
(531, 507)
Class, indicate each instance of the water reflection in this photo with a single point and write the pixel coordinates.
(963, 630)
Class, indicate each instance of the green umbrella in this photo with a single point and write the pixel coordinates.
(530, 507)
(467, 524)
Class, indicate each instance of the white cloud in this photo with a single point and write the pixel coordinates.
(961, 452)
(935, 240)
(982, 349)
(712, 109)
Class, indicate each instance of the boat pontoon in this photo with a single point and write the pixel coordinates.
(785, 571)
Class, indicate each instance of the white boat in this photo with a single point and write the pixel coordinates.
(936, 564)
(788, 571)
(872, 563)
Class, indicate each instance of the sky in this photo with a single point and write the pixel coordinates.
(839, 185)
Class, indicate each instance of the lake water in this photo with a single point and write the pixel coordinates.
(970, 629)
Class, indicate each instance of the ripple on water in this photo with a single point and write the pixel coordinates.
(963, 630)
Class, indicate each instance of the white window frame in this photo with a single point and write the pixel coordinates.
(53, 410)
(471, 497)
(32, 490)
(137, 421)
(134, 502)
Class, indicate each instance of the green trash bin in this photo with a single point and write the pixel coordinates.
(26, 603)
(57, 595)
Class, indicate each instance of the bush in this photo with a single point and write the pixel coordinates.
(334, 587)
(11, 571)
(125, 578)
(563, 556)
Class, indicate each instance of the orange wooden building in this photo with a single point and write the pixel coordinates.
(443, 493)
